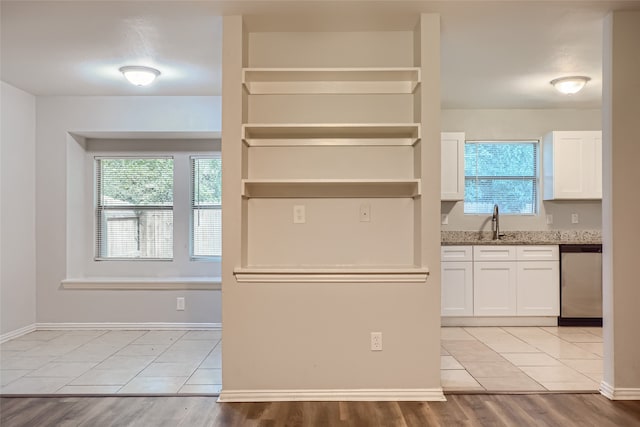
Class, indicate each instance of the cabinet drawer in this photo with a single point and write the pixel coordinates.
(456, 253)
(494, 253)
(538, 253)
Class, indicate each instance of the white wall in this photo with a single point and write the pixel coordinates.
(523, 124)
(17, 217)
(57, 155)
(621, 228)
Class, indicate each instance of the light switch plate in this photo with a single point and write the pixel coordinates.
(549, 219)
(444, 219)
(574, 218)
(299, 214)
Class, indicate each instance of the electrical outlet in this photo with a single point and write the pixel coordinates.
(376, 341)
(180, 303)
(574, 218)
(365, 212)
(549, 219)
(444, 219)
(299, 214)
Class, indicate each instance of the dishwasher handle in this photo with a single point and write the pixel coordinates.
(590, 248)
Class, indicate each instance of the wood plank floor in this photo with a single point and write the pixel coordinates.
(460, 410)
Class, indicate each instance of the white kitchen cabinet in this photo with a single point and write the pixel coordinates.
(538, 280)
(572, 165)
(457, 281)
(494, 280)
(538, 253)
(494, 253)
(538, 288)
(494, 288)
(452, 166)
(500, 280)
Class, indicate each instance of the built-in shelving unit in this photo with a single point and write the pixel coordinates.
(263, 81)
(330, 188)
(306, 146)
(331, 204)
(294, 134)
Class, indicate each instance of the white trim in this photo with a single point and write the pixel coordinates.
(17, 332)
(153, 326)
(150, 135)
(331, 278)
(500, 321)
(612, 393)
(331, 275)
(413, 395)
(144, 283)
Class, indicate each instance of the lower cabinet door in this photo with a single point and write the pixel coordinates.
(494, 290)
(457, 288)
(538, 288)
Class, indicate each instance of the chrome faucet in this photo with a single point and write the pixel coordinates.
(495, 222)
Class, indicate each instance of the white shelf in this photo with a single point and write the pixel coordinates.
(333, 274)
(263, 81)
(330, 134)
(330, 188)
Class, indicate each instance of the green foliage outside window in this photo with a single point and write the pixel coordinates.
(503, 173)
(136, 182)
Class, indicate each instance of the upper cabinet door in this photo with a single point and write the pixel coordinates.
(572, 163)
(452, 166)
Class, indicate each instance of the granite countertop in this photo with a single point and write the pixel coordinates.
(554, 237)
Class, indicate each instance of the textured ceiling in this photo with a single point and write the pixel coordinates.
(494, 54)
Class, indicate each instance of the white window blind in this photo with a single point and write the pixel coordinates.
(206, 202)
(503, 173)
(134, 208)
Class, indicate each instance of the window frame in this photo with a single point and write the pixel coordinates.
(535, 178)
(98, 209)
(192, 207)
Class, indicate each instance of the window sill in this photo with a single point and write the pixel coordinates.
(143, 283)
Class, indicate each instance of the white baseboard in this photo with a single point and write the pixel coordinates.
(500, 321)
(17, 333)
(394, 395)
(155, 326)
(613, 393)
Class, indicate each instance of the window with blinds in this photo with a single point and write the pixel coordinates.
(134, 208)
(503, 173)
(206, 202)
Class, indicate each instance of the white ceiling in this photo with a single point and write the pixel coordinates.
(494, 54)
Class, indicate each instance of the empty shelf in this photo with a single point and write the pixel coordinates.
(262, 81)
(330, 188)
(300, 134)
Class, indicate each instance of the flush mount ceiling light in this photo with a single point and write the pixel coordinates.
(139, 75)
(570, 85)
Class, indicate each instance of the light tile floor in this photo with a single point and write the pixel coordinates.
(168, 362)
(521, 358)
(112, 362)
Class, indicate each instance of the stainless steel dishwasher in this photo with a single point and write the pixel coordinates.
(580, 285)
